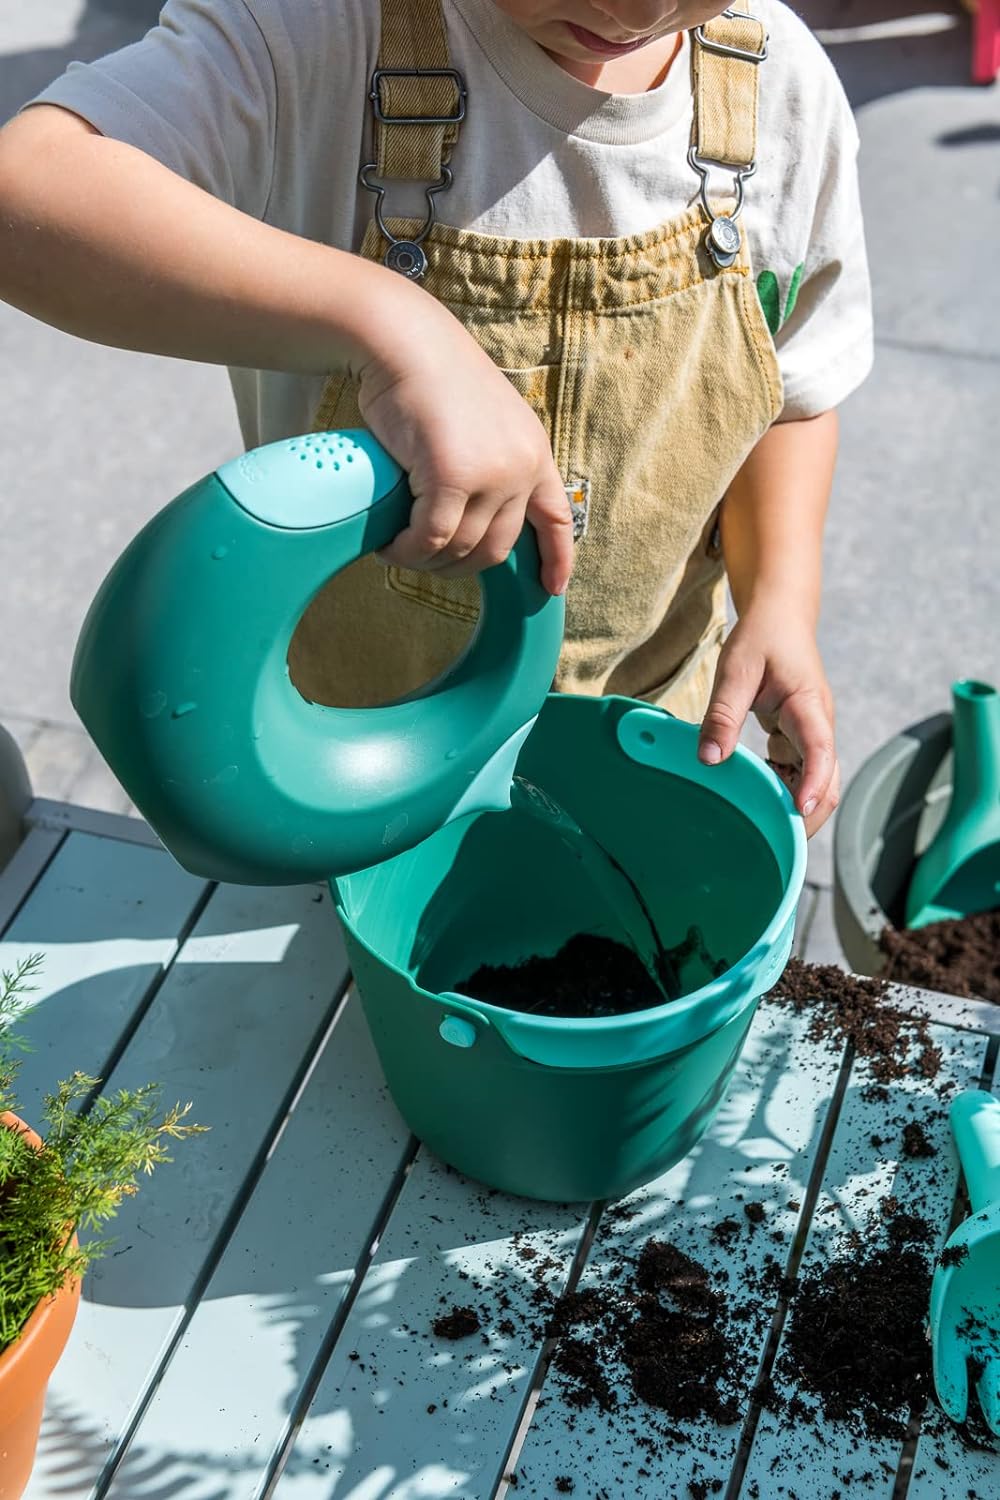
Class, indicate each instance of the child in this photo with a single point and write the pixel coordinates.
(603, 269)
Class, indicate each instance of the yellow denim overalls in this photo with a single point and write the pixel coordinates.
(649, 364)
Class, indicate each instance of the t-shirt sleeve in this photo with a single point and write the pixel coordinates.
(197, 93)
(825, 338)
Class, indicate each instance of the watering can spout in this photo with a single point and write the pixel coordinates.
(959, 873)
(976, 746)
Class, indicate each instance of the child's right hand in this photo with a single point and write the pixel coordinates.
(478, 459)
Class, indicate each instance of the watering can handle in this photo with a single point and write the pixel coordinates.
(181, 674)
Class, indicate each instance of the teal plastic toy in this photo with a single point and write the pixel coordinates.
(181, 675)
(959, 873)
(965, 1295)
(578, 1109)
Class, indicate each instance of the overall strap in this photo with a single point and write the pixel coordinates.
(418, 99)
(726, 59)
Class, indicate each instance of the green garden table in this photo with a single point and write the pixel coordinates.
(262, 1325)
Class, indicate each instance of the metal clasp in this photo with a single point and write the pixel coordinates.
(724, 49)
(724, 239)
(703, 164)
(453, 119)
(405, 256)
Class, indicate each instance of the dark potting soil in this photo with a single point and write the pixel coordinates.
(856, 1337)
(460, 1323)
(960, 957)
(915, 1142)
(590, 977)
(846, 1008)
(666, 1324)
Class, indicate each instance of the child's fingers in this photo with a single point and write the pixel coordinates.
(737, 683)
(550, 514)
(434, 520)
(486, 546)
(806, 723)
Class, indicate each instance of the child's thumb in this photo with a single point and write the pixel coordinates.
(737, 683)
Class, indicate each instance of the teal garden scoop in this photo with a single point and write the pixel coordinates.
(959, 873)
(965, 1292)
(181, 675)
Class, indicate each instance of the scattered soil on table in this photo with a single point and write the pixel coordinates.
(667, 1325)
(960, 957)
(856, 1336)
(460, 1323)
(915, 1142)
(846, 1008)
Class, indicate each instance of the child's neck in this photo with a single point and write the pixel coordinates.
(635, 74)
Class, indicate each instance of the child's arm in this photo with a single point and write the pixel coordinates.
(102, 241)
(772, 537)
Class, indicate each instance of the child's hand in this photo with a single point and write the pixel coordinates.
(478, 459)
(771, 664)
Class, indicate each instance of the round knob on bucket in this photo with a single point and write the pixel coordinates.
(181, 675)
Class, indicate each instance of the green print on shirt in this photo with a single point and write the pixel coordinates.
(770, 297)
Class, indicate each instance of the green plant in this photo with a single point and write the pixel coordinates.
(94, 1150)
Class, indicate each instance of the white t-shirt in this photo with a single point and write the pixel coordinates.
(264, 104)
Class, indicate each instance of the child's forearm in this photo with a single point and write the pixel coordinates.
(773, 516)
(102, 241)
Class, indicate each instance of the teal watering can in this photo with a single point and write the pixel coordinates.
(959, 873)
(181, 675)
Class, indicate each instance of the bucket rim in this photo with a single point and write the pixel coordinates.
(749, 972)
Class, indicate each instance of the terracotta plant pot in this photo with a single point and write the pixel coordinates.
(25, 1368)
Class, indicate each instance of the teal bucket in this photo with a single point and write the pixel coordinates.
(571, 1109)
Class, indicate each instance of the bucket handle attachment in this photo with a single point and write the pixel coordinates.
(463, 1024)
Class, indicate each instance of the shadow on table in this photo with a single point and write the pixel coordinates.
(385, 1436)
(104, 26)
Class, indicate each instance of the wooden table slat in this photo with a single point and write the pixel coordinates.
(230, 1029)
(106, 919)
(25, 868)
(800, 1460)
(370, 1429)
(759, 1149)
(262, 1319)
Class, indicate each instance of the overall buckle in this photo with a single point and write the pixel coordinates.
(723, 48)
(375, 95)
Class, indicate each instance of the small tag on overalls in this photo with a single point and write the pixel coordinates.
(578, 495)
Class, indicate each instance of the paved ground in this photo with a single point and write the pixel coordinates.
(94, 440)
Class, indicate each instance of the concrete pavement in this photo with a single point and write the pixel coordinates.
(95, 440)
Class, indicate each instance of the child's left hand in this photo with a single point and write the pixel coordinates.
(771, 664)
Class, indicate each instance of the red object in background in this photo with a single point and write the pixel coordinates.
(985, 41)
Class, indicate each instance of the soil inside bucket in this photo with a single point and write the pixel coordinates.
(590, 977)
(960, 957)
